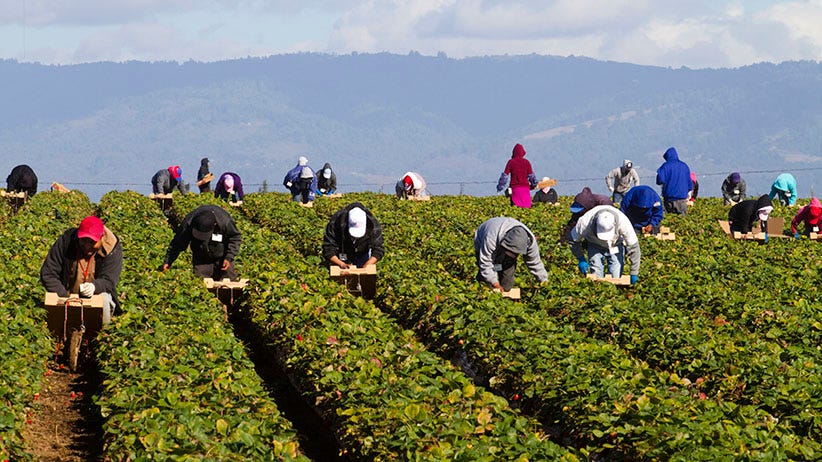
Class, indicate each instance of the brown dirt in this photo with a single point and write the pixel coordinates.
(64, 422)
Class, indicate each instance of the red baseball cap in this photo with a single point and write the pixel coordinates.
(92, 228)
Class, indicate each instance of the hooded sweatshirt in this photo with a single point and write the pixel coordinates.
(221, 190)
(487, 249)
(733, 191)
(522, 175)
(22, 179)
(784, 183)
(674, 176)
(326, 183)
(643, 206)
(337, 240)
(810, 215)
(743, 215)
(163, 183)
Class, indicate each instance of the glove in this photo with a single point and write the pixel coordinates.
(796, 235)
(766, 237)
(583, 267)
(86, 289)
(634, 278)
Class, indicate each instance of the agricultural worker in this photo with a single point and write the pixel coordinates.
(22, 179)
(743, 215)
(214, 241)
(643, 206)
(621, 179)
(86, 260)
(583, 202)
(675, 178)
(353, 236)
(164, 181)
(411, 184)
(326, 181)
(694, 189)
(202, 183)
(733, 189)
(784, 188)
(301, 182)
(229, 187)
(606, 233)
(547, 194)
(522, 177)
(497, 244)
(809, 215)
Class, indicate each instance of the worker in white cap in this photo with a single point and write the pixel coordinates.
(301, 181)
(606, 233)
(621, 179)
(353, 236)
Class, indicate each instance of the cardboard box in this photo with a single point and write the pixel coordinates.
(61, 319)
(625, 280)
(358, 281)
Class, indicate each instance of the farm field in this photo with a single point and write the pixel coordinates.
(715, 354)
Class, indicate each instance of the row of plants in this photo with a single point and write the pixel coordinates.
(383, 393)
(445, 326)
(25, 343)
(177, 383)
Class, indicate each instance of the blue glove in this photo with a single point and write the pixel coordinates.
(634, 278)
(766, 237)
(796, 235)
(583, 267)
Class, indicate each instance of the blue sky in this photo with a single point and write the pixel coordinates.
(692, 33)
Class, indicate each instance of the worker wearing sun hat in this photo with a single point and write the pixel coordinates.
(214, 240)
(606, 233)
(166, 180)
(621, 179)
(497, 244)
(745, 214)
(353, 236)
(86, 260)
(546, 194)
(809, 215)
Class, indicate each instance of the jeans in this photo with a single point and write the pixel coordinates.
(108, 307)
(617, 197)
(597, 256)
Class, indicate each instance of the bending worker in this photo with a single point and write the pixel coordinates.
(607, 233)
(214, 240)
(744, 215)
(643, 206)
(497, 244)
(353, 236)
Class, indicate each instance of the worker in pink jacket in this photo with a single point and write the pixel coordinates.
(810, 215)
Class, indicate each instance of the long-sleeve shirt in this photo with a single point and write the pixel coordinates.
(624, 235)
(619, 180)
(487, 249)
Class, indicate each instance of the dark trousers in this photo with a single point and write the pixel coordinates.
(505, 277)
(215, 271)
(679, 206)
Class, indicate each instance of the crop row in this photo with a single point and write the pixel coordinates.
(178, 385)
(25, 344)
(385, 395)
(609, 398)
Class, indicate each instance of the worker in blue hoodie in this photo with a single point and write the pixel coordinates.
(784, 188)
(675, 178)
(643, 206)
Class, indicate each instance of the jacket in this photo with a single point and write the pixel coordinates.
(337, 240)
(22, 179)
(296, 184)
(674, 176)
(586, 230)
(163, 183)
(548, 197)
(59, 270)
(587, 200)
(643, 206)
(221, 192)
(224, 247)
(810, 215)
(743, 215)
(619, 179)
(784, 183)
(733, 192)
(326, 183)
(519, 168)
(488, 251)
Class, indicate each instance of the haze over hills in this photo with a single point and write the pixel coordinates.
(104, 126)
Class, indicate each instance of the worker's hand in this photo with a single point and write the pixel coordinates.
(497, 286)
(288, 185)
(647, 228)
(766, 237)
(226, 265)
(164, 266)
(322, 190)
(343, 265)
(796, 235)
(583, 267)
(634, 278)
(87, 289)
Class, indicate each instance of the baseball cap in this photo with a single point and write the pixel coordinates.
(176, 172)
(627, 163)
(516, 240)
(202, 226)
(327, 173)
(605, 226)
(576, 207)
(92, 228)
(302, 160)
(356, 222)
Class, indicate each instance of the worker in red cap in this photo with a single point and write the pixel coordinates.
(214, 240)
(809, 215)
(411, 184)
(164, 181)
(86, 260)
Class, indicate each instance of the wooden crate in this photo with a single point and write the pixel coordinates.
(513, 294)
(358, 281)
(419, 198)
(227, 291)
(205, 179)
(307, 204)
(625, 280)
(164, 200)
(58, 317)
(664, 234)
(236, 204)
(332, 196)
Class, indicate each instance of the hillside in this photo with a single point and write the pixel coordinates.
(375, 116)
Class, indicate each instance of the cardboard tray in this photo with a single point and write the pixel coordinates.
(625, 280)
(358, 281)
(56, 314)
(513, 294)
(664, 234)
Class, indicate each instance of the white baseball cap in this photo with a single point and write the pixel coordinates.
(606, 223)
(356, 222)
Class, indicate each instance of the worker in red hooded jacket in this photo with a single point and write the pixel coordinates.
(522, 176)
(811, 216)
